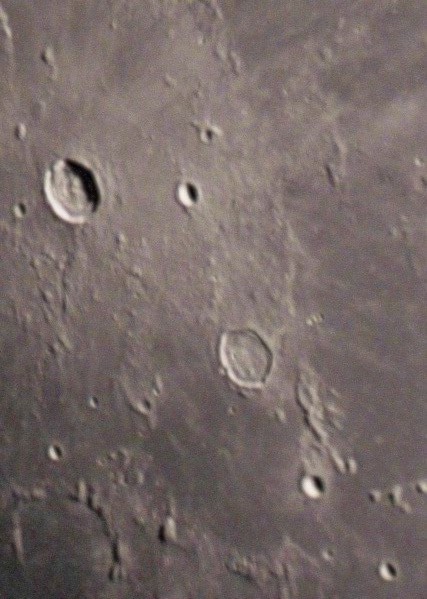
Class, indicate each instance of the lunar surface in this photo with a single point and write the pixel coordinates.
(213, 299)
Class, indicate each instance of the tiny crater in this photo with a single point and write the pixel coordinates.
(188, 194)
(421, 487)
(19, 210)
(162, 534)
(375, 496)
(93, 402)
(21, 131)
(245, 358)
(313, 486)
(207, 135)
(330, 175)
(148, 404)
(167, 531)
(209, 132)
(48, 56)
(55, 452)
(72, 191)
(395, 495)
(328, 554)
(388, 570)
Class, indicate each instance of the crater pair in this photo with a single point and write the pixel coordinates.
(73, 191)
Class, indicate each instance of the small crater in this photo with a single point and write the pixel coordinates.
(375, 496)
(19, 210)
(167, 531)
(208, 133)
(243, 566)
(82, 494)
(71, 190)
(245, 358)
(395, 497)
(312, 486)
(38, 494)
(188, 194)
(21, 131)
(328, 554)
(388, 570)
(351, 466)
(55, 452)
(280, 415)
(48, 56)
(314, 319)
(93, 402)
(331, 175)
(343, 465)
(421, 487)
(145, 407)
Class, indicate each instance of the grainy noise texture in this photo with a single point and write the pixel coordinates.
(213, 299)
